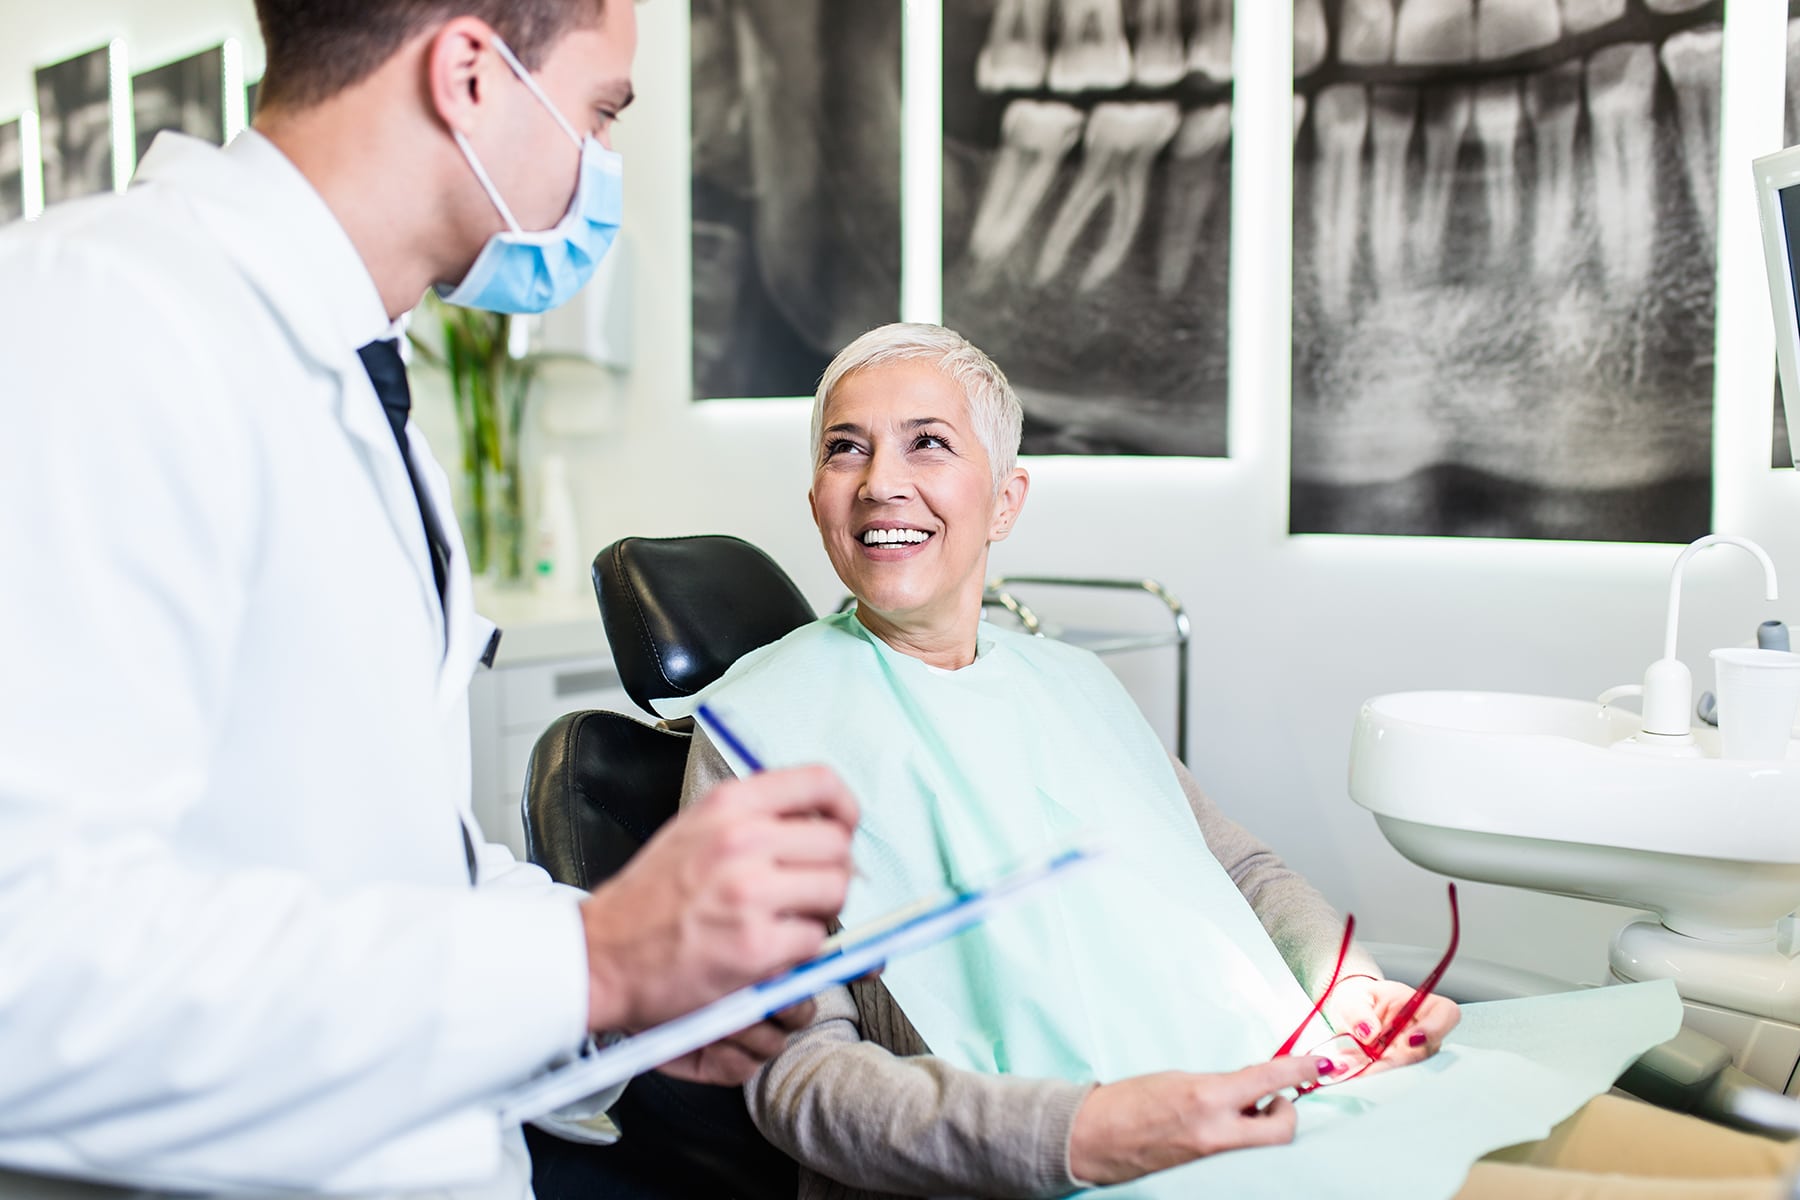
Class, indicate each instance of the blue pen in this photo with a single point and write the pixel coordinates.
(730, 739)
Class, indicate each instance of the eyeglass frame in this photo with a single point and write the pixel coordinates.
(1378, 1045)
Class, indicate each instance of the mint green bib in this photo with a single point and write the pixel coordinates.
(1150, 961)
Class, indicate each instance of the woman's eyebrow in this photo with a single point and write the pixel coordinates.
(847, 427)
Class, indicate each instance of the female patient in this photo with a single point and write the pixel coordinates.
(970, 1068)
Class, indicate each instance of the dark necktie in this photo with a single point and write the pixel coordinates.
(388, 373)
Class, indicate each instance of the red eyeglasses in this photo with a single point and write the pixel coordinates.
(1354, 1055)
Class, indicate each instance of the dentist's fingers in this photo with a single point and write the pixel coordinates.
(795, 792)
(741, 885)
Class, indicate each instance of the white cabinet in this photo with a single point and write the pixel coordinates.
(552, 660)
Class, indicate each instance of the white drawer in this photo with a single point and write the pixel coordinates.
(533, 696)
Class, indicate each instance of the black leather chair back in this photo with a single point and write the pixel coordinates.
(678, 612)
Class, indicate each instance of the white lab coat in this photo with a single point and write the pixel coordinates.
(238, 945)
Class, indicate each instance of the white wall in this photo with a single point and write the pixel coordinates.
(36, 32)
(1291, 633)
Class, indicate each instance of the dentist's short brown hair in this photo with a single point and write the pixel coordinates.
(317, 48)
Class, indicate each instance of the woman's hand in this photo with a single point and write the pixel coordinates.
(1152, 1122)
(1362, 1007)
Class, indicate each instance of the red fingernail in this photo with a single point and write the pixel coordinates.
(1363, 1030)
(1326, 1067)
(1417, 1039)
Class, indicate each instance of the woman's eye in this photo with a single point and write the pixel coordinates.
(840, 446)
(930, 441)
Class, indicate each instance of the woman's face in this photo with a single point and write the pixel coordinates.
(903, 495)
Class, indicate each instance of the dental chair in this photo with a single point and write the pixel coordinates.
(678, 612)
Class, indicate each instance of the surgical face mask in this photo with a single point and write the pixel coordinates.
(519, 271)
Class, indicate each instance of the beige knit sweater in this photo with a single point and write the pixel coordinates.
(858, 1100)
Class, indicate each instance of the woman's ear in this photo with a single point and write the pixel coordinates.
(1008, 503)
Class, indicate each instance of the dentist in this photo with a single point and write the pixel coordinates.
(250, 939)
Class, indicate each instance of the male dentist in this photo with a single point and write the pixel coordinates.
(249, 937)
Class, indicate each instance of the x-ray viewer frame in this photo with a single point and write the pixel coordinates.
(1778, 207)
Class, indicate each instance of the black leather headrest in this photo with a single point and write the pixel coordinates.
(679, 611)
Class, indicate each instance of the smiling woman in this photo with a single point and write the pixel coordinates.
(913, 480)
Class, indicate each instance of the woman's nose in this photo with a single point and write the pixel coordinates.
(886, 478)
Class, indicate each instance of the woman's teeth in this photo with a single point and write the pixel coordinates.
(894, 537)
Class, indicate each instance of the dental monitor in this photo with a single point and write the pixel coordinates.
(1778, 205)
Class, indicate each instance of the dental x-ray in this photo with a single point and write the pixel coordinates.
(1503, 267)
(12, 172)
(1087, 214)
(187, 96)
(75, 125)
(796, 187)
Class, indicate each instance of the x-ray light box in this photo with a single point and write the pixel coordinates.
(1778, 205)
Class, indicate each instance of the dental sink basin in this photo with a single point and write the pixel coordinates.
(1536, 792)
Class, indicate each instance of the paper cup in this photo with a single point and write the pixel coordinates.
(1759, 693)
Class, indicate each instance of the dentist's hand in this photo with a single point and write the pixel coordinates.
(1150, 1123)
(1363, 1007)
(733, 1060)
(734, 888)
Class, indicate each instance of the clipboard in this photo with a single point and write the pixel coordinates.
(847, 955)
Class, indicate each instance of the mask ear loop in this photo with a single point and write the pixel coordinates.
(518, 68)
(481, 177)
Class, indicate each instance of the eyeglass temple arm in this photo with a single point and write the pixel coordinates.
(1287, 1047)
(1426, 986)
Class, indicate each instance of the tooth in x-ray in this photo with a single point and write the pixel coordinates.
(1392, 113)
(1016, 55)
(1579, 16)
(1312, 38)
(1497, 114)
(1035, 137)
(1195, 180)
(1091, 51)
(1117, 152)
(1691, 61)
(1553, 102)
(1158, 59)
(1366, 32)
(1793, 87)
(1299, 114)
(1674, 6)
(1209, 50)
(1444, 121)
(1340, 119)
(1621, 102)
(1504, 28)
(1435, 31)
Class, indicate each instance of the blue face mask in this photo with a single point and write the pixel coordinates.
(523, 272)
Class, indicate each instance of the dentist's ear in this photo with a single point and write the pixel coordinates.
(459, 66)
(1008, 502)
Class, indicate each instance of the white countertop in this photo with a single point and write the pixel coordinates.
(540, 625)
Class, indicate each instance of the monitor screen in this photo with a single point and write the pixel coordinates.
(1778, 206)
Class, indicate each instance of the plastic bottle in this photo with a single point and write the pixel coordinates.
(557, 541)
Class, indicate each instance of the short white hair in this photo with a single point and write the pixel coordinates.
(994, 407)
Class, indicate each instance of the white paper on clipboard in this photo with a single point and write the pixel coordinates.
(849, 955)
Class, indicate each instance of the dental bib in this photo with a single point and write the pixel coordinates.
(1150, 961)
